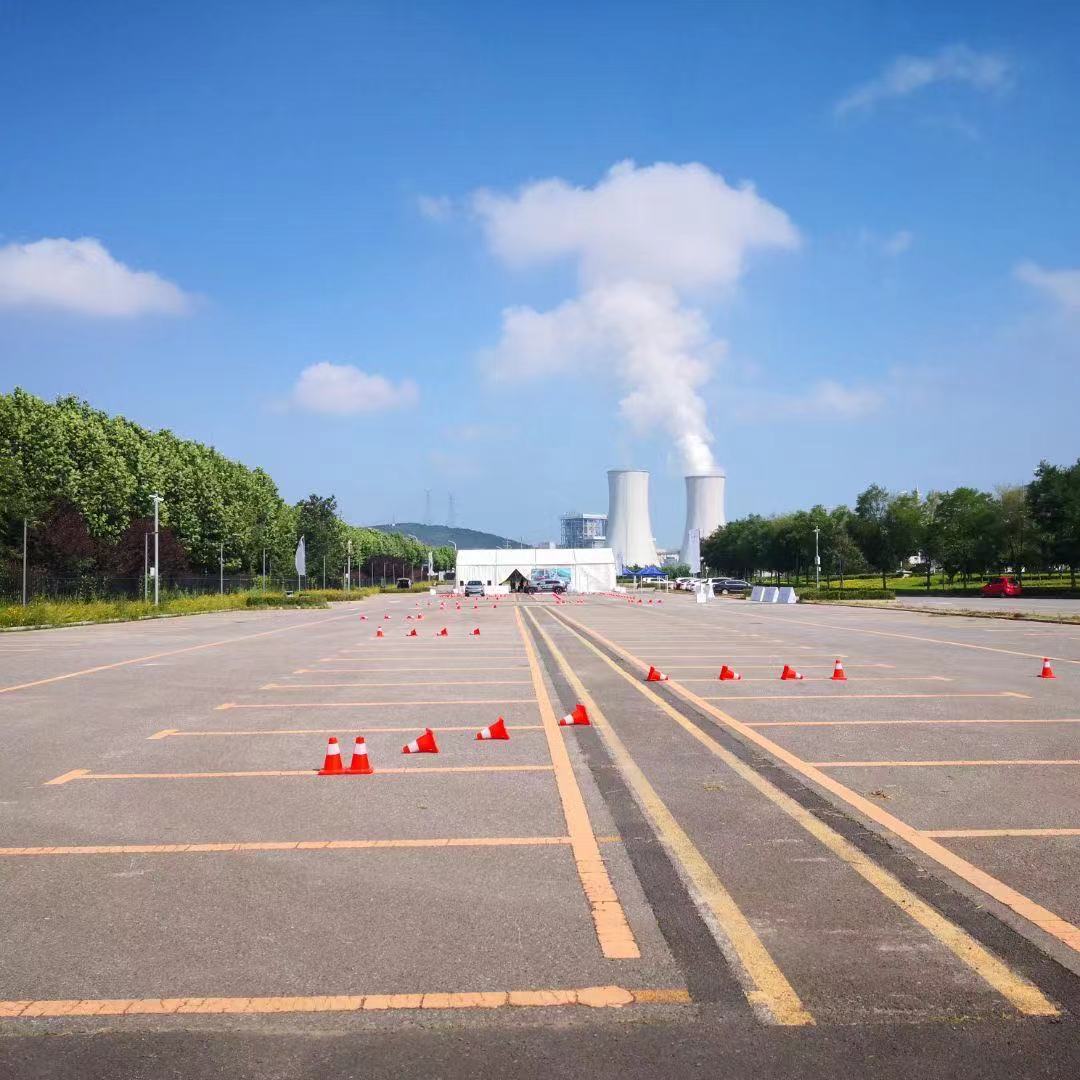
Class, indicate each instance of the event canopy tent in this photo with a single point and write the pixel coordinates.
(582, 569)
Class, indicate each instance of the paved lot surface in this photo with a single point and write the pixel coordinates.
(1014, 604)
(874, 877)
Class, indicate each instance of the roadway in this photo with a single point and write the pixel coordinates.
(761, 877)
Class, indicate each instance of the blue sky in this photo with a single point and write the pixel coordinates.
(898, 299)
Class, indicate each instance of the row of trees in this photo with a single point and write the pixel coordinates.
(964, 533)
(83, 481)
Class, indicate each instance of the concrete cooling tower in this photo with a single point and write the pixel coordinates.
(704, 507)
(629, 533)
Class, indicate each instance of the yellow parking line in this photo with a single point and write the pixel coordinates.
(172, 732)
(764, 982)
(932, 764)
(826, 678)
(286, 845)
(369, 704)
(597, 997)
(855, 697)
(85, 774)
(874, 723)
(1022, 994)
(372, 685)
(1024, 906)
(613, 932)
(962, 833)
(422, 669)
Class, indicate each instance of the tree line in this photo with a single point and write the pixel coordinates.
(963, 534)
(83, 482)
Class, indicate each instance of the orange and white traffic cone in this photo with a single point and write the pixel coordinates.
(838, 673)
(360, 766)
(379, 632)
(476, 632)
(1047, 671)
(655, 675)
(425, 744)
(387, 616)
(412, 633)
(493, 731)
(332, 762)
(578, 718)
(363, 618)
(727, 675)
(790, 673)
(443, 633)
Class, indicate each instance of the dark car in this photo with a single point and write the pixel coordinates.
(404, 583)
(551, 585)
(723, 586)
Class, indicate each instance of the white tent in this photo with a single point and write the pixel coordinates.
(583, 570)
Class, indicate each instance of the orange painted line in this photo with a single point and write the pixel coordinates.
(1039, 916)
(333, 731)
(750, 667)
(613, 931)
(373, 685)
(873, 723)
(931, 764)
(826, 678)
(84, 774)
(170, 652)
(962, 833)
(286, 845)
(853, 697)
(421, 670)
(596, 997)
(369, 704)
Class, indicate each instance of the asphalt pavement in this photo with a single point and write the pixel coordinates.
(874, 877)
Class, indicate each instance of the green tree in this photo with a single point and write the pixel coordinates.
(1054, 498)
(887, 528)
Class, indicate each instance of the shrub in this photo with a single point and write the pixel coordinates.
(848, 594)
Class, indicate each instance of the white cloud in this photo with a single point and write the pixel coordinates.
(81, 276)
(828, 400)
(345, 390)
(1062, 285)
(908, 74)
(639, 238)
(435, 207)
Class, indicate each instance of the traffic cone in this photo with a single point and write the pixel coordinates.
(332, 763)
(476, 632)
(412, 632)
(363, 618)
(379, 633)
(493, 731)
(839, 674)
(655, 676)
(727, 675)
(443, 633)
(790, 673)
(387, 616)
(419, 615)
(577, 718)
(425, 744)
(360, 766)
(1047, 671)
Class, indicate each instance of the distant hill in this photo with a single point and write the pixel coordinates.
(443, 535)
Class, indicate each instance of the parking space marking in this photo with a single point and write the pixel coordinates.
(876, 723)
(373, 685)
(974, 833)
(170, 652)
(853, 697)
(367, 704)
(613, 932)
(286, 845)
(170, 733)
(933, 764)
(1022, 994)
(421, 670)
(826, 678)
(597, 997)
(85, 774)
(764, 984)
(1039, 916)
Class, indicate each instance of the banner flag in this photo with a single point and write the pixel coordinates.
(300, 562)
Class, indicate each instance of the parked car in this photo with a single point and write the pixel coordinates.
(474, 588)
(723, 586)
(404, 583)
(686, 583)
(551, 585)
(1002, 586)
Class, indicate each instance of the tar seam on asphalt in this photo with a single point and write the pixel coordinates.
(1042, 969)
(708, 976)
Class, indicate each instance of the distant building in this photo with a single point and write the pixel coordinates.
(668, 558)
(583, 530)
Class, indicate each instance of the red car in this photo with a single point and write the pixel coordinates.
(1002, 586)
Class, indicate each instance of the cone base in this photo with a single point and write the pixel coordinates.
(367, 771)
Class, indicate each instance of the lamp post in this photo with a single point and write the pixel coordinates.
(157, 575)
(221, 568)
(817, 559)
(145, 566)
(24, 531)
(348, 565)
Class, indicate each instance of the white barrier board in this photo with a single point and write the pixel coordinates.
(787, 596)
(756, 593)
(770, 595)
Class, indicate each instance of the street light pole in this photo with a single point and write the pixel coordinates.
(817, 559)
(221, 569)
(145, 566)
(24, 531)
(348, 566)
(157, 550)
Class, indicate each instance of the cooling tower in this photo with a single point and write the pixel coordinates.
(704, 507)
(629, 533)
